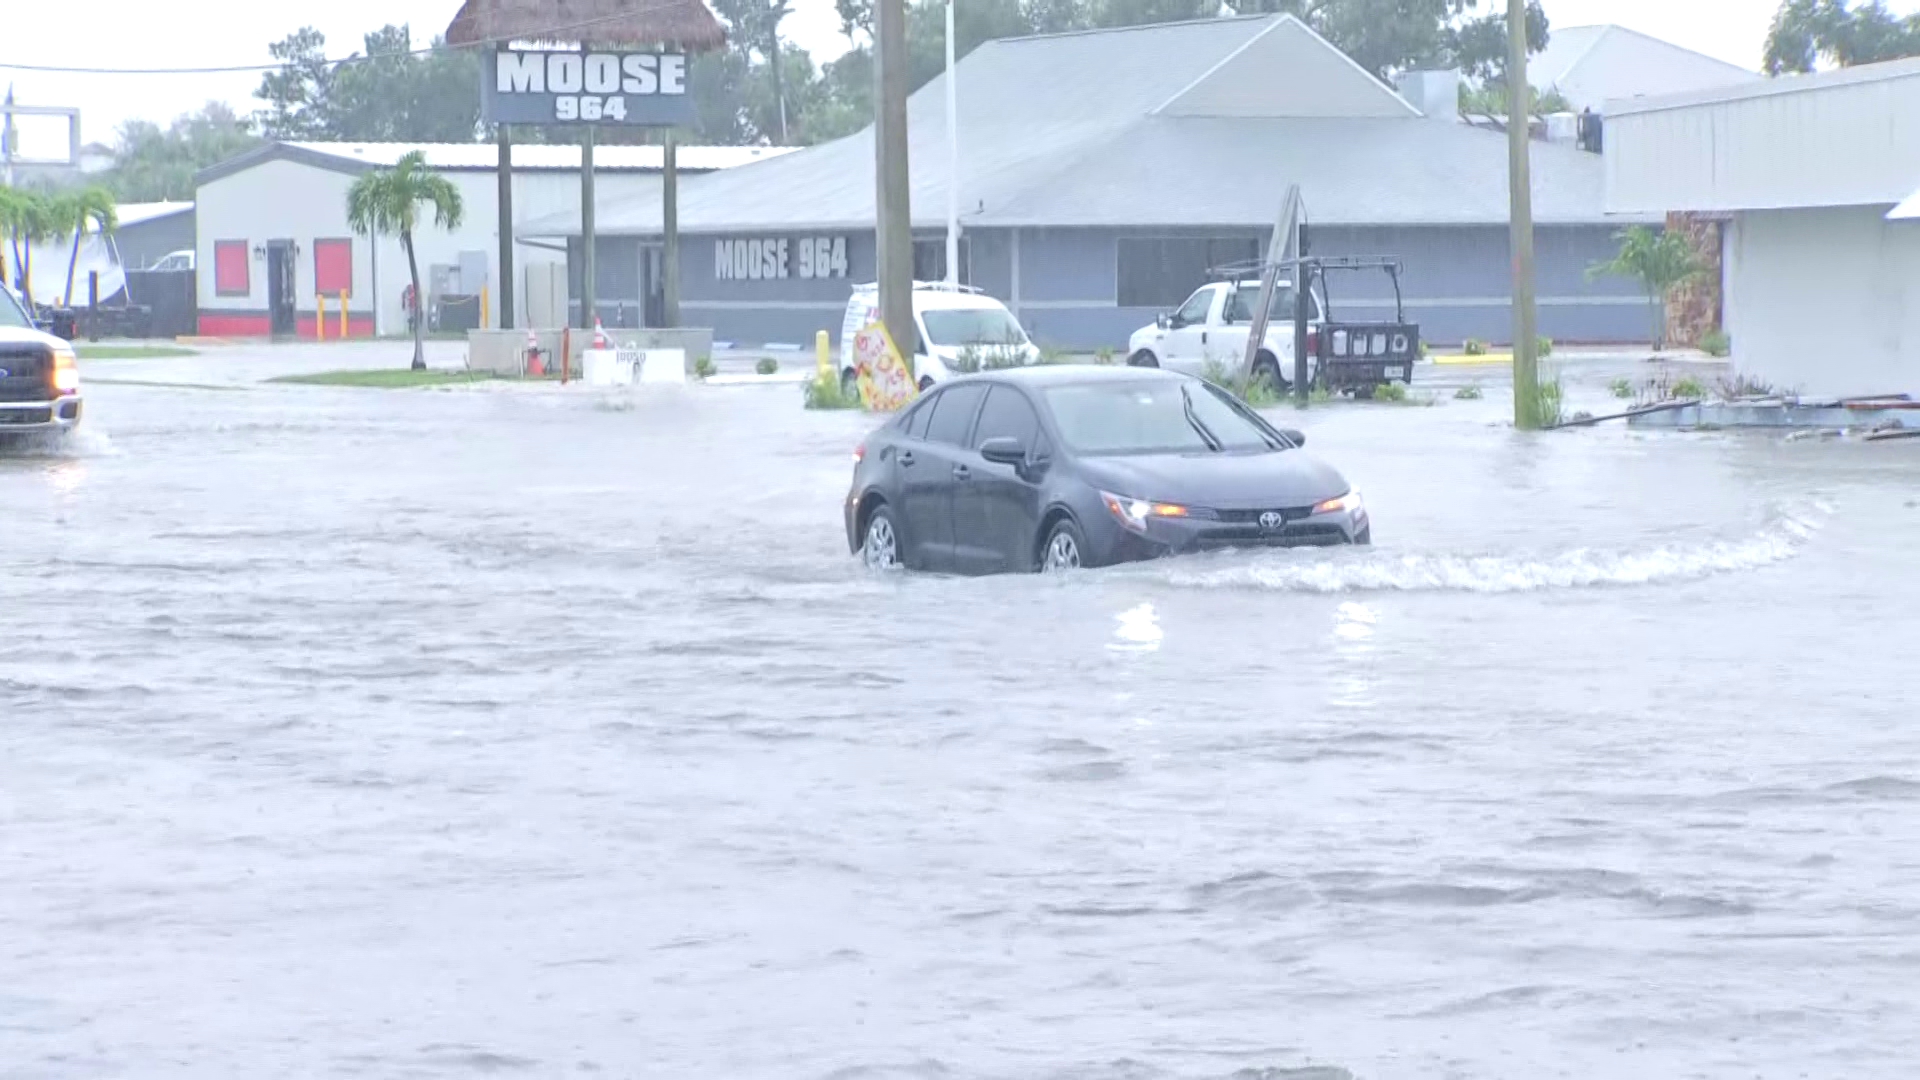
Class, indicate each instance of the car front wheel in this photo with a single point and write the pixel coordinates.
(880, 546)
(1266, 366)
(1063, 549)
(1143, 358)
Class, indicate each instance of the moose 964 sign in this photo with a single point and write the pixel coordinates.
(636, 89)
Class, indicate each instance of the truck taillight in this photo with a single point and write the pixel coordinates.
(1313, 341)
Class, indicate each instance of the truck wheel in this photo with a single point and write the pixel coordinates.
(1143, 358)
(1267, 366)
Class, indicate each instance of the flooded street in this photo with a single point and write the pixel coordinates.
(392, 734)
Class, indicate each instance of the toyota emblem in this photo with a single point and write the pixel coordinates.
(1272, 520)
(4, 373)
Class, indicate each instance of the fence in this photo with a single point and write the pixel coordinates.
(154, 304)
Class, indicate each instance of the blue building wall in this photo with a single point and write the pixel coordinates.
(1065, 284)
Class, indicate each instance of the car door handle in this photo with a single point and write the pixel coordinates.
(961, 472)
(1203, 337)
(906, 457)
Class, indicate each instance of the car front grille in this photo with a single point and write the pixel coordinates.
(29, 370)
(1252, 517)
(26, 417)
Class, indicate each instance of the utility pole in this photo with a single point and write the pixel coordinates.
(1526, 374)
(589, 286)
(503, 135)
(670, 229)
(893, 208)
(953, 160)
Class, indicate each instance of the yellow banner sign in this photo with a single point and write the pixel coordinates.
(886, 383)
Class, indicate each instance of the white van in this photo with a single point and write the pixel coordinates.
(949, 319)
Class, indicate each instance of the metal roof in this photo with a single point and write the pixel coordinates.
(1152, 125)
(1774, 87)
(358, 157)
(1592, 65)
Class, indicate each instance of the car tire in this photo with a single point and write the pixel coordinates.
(1364, 538)
(1143, 358)
(926, 383)
(1063, 549)
(1267, 366)
(849, 383)
(880, 548)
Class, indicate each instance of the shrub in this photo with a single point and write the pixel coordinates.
(1543, 346)
(767, 366)
(1742, 386)
(824, 391)
(1423, 350)
(1716, 343)
(1467, 393)
(1474, 347)
(703, 367)
(1622, 388)
(1548, 399)
(1392, 391)
(1688, 387)
(1051, 355)
(1103, 355)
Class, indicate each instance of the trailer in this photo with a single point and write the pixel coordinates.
(1356, 356)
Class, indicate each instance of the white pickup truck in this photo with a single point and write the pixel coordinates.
(39, 379)
(1213, 325)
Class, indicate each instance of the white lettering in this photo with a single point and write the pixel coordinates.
(780, 263)
(754, 263)
(806, 258)
(641, 74)
(839, 256)
(603, 73)
(520, 73)
(739, 261)
(673, 73)
(722, 260)
(616, 108)
(564, 73)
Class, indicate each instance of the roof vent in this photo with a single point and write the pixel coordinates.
(1435, 93)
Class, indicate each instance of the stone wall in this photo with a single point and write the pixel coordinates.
(1694, 308)
(503, 352)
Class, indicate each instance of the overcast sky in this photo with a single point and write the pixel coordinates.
(131, 34)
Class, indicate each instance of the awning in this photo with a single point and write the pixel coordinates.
(1908, 208)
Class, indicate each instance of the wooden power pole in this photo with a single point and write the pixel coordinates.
(1526, 373)
(893, 208)
(503, 140)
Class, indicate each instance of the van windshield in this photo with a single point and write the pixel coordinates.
(11, 314)
(960, 327)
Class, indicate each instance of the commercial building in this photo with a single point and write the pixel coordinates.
(1814, 179)
(1592, 65)
(272, 233)
(1101, 174)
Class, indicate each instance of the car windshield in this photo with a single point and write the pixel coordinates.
(972, 326)
(10, 312)
(1171, 417)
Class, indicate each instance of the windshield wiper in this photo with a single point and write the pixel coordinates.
(1186, 405)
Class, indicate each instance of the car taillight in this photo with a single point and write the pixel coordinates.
(859, 453)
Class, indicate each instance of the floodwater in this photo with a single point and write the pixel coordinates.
(444, 734)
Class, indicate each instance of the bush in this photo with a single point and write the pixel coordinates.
(1423, 350)
(1622, 388)
(1745, 386)
(703, 367)
(1467, 393)
(1716, 343)
(767, 366)
(1474, 347)
(1689, 388)
(1392, 391)
(824, 391)
(1543, 346)
(1051, 355)
(1103, 355)
(1548, 399)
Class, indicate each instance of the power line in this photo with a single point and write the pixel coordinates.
(545, 33)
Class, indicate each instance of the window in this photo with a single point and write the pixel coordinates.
(1241, 304)
(972, 326)
(11, 313)
(916, 420)
(953, 413)
(1157, 273)
(1006, 415)
(231, 268)
(930, 261)
(333, 267)
(1153, 418)
(1194, 311)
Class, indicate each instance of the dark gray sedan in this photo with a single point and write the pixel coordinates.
(1051, 468)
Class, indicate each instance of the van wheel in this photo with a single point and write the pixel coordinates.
(1267, 366)
(1143, 358)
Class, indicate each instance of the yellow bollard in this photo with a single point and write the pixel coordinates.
(320, 316)
(484, 309)
(823, 352)
(343, 314)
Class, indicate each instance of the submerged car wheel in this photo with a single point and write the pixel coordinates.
(1062, 551)
(880, 549)
(849, 383)
(1266, 367)
(926, 383)
(1143, 358)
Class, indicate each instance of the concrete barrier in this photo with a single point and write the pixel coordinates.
(503, 352)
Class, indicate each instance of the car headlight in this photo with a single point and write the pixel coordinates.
(1135, 513)
(1349, 503)
(66, 370)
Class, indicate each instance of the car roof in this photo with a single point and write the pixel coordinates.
(1048, 375)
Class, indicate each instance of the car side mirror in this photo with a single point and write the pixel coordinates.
(1004, 450)
(1164, 322)
(1295, 436)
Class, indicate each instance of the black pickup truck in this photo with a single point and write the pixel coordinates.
(39, 377)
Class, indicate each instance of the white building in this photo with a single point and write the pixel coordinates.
(1592, 65)
(1821, 259)
(272, 234)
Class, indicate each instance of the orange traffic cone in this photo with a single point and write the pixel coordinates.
(599, 334)
(534, 366)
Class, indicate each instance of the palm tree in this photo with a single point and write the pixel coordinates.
(1661, 261)
(91, 207)
(29, 218)
(388, 201)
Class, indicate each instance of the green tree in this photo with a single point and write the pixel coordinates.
(90, 207)
(30, 218)
(388, 93)
(1806, 33)
(296, 92)
(1661, 261)
(155, 164)
(387, 202)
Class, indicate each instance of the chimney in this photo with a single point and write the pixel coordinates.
(1435, 93)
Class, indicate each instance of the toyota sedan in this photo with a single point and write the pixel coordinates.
(1052, 468)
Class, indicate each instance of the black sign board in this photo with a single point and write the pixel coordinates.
(631, 89)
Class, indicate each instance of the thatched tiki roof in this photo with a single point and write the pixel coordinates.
(686, 24)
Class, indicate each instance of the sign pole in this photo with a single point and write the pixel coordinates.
(589, 286)
(894, 227)
(670, 229)
(953, 160)
(503, 137)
